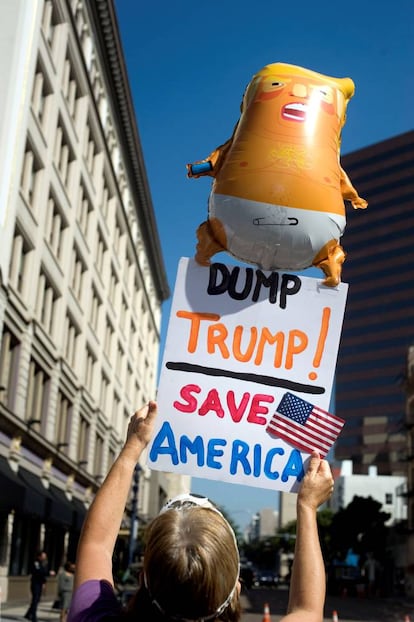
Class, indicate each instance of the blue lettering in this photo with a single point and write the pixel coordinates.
(213, 452)
(267, 468)
(194, 447)
(257, 460)
(209, 453)
(165, 434)
(239, 454)
(294, 467)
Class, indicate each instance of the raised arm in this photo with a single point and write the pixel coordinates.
(103, 520)
(308, 582)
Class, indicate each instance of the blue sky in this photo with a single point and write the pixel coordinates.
(188, 65)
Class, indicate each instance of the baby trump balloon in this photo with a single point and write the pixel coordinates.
(277, 200)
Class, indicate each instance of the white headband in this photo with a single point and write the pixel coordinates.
(182, 502)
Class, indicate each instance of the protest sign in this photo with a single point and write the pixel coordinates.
(239, 339)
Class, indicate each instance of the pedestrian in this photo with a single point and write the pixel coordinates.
(191, 560)
(39, 573)
(371, 569)
(65, 589)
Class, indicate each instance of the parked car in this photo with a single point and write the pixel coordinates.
(267, 578)
(345, 580)
(248, 575)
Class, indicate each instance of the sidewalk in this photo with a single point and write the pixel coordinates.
(16, 611)
(45, 613)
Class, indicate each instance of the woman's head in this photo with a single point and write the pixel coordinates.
(191, 563)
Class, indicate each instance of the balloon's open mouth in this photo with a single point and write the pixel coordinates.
(294, 112)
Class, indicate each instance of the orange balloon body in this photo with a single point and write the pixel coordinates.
(278, 195)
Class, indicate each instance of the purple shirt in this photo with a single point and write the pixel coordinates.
(92, 601)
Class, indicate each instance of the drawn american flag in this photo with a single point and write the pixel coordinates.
(304, 425)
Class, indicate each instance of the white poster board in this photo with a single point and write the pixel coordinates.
(238, 339)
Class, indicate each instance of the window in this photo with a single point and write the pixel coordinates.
(111, 457)
(89, 370)
(70, 87)
(9, 360)
(117, 236)
(46, 303)
(123, 314)
(119, 361)
(94, 309)
(106, 196)
(97, 459)
(37, 395)
(90, 149)
(83, 439)
(128, 379)
(109, 331)
(78, 268)
(84, 211)
(71, 334)
(133, 336)
(54, 227)
(49, 21)
(113, 283)
(388, 498)
(103, 393)
(138, 395)
(63, 422)
(30, 177)
(63, 154)
(40, 93)
(19, 264)
(128, 271)
(100, 252)
(116, 412)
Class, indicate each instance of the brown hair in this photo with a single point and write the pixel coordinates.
(191, 567)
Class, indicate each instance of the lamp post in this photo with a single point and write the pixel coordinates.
(134, 515)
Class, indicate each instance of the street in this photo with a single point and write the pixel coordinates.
(348, 609)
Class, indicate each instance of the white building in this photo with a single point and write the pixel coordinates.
(287, 508)
(263, 525)
(82, 277)
(268, 522)
(386, 489)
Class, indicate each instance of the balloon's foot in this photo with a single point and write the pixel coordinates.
(202, 260)
(330, 259)
(331, 281)
(207, 245)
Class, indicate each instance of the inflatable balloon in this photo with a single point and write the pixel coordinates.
(277, 199)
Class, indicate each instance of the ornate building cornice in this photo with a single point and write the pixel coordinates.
(107, 37)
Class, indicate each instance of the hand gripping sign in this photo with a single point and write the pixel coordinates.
(277, 200)
(246, 353)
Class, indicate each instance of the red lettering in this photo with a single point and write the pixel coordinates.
(237, 412)
(257, 408)
(237, 407)
(186, 394)
(212, 402)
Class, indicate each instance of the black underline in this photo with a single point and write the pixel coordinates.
(259, 379)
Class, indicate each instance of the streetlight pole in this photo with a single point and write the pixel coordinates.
(133, 531)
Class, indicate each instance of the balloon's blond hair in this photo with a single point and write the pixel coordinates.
(345, 85)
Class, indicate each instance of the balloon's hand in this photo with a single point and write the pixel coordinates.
(359, 203)
(198, 169)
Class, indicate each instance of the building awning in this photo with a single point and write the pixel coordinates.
(24, 492)
(80, 513)
(12, 489)
(36, 495)
(60, 509)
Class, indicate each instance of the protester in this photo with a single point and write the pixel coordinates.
(371, 569)
(191, 561)
(65, 589)
(39, 573)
